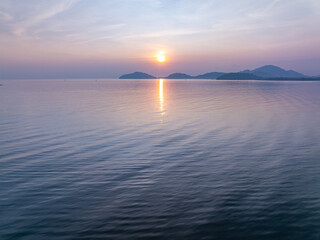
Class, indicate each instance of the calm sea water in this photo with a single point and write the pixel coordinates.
(159, 159)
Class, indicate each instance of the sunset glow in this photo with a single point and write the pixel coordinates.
(161, 58)
(104, 39)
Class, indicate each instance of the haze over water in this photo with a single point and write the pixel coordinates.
(159, 159)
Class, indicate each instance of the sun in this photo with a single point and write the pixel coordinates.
(161, 58)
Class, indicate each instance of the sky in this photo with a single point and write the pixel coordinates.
(108, 38)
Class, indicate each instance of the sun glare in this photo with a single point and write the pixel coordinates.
(161, 58)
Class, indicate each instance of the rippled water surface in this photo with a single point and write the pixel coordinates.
(159, 159)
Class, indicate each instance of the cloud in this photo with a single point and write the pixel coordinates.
(5, 16)
(50, 12)
(34, 13)
(163, 34)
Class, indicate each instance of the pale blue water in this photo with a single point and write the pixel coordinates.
(151, 159)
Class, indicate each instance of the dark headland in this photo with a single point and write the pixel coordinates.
(268, 72)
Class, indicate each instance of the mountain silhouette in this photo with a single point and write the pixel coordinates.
(271, 71)
(137, 75)
(210, 75)
(267, 72)
(179, 76)
(239, 76)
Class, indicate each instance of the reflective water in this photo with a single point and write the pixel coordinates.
(159, 159)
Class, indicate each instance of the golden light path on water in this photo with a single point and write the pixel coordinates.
(161, 96)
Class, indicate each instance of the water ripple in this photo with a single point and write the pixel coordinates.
(122, 159)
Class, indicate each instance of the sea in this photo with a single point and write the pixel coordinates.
(159, 159)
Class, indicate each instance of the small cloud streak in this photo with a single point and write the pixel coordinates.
(5, 16)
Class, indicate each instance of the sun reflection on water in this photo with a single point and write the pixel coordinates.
(161, 96)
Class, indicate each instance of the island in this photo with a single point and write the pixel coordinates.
(267, 72)
(210, 75)
(238, 76)
(179, 76)
(271, 71)
(137, 75)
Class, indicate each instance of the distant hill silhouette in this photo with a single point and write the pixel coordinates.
(179, 76)
(270, 71)
(137, 75)
(267, 72)
(210, 75)
(238, 76)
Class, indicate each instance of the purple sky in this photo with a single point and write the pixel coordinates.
(98, 38)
